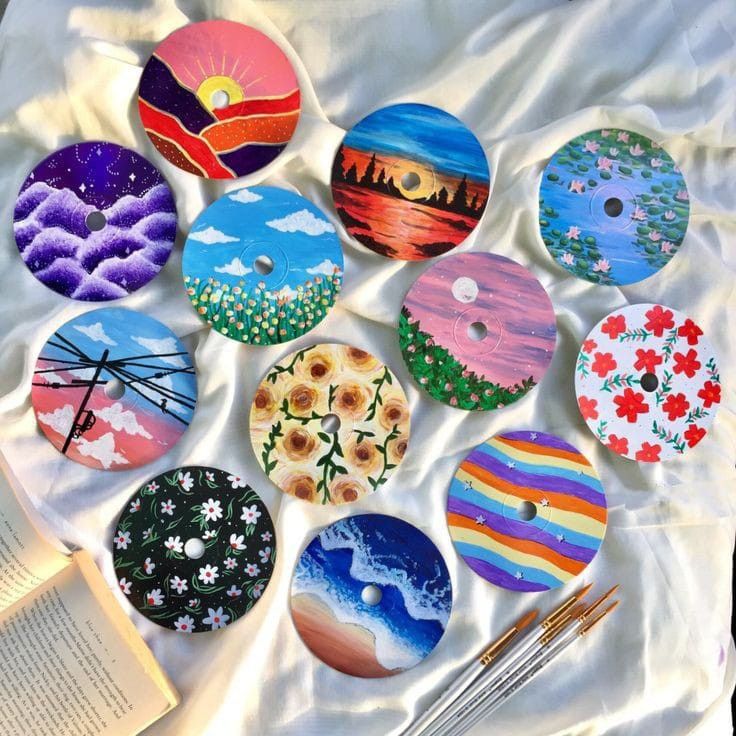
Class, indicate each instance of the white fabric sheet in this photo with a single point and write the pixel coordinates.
(525, 76)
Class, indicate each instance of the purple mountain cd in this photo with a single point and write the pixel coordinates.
(95, 221)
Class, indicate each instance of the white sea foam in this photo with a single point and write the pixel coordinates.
(421, 601)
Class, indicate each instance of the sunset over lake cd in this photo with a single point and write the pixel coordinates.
(648, 383)
(613, 206)
(477, 331)
(113, 389)
(410, 181)
(526, 511)
(371, 595)
(95, 221)
(219, 99)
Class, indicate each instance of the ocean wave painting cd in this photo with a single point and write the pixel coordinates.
(477, 331)
(410, 181)
(347, 629)
(95, 221)
(613, 207)
(113, 389)
(219, 99)
(262, 265)
(526, 511)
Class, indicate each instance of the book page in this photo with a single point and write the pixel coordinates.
(72, 663)
(27, 559)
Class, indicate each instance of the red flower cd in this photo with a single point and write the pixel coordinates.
(647, 382)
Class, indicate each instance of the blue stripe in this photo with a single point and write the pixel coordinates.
(457, 489)
(593, 483)
(531, 574)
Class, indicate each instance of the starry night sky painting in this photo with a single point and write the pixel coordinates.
(53, 232)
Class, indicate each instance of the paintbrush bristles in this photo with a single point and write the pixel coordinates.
(597, 604)
(526, 619)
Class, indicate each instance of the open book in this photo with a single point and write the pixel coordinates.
(71, 662)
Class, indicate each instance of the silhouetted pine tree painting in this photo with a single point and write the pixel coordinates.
(442, 199)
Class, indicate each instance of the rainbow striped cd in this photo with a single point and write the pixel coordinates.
(526, 511)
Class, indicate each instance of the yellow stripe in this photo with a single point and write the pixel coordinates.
(569, 519)
(461, 534)
(550, 460)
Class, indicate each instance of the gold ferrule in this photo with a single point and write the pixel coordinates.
(497, 647)
(554, 617)
(555, 629)
(587, 627)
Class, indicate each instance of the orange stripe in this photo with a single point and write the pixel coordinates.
(235, 133)
(534, 449)
(527, 546)
(557, 500)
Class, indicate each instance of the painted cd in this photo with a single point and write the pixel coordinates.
(647, 382)
(329, 424)
(262, 265)
(219, 99)
(95, 221)
(194, 549)
(371, 595)
(526, 511)
(410, 181)
(113, 389)
(613, 207)
(477, 331)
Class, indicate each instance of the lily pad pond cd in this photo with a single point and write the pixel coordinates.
(329, 424)
(371, 595)
(262, 265)
(219, 99)
(526, 511)
(477, 331)
(410, 181)
(113, 389)
(95, 221)
(194, 549)
(613, 207)
(647, 382)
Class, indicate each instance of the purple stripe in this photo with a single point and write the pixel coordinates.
(551, 483)
(520, 530)
(501, 578)
(546, 440)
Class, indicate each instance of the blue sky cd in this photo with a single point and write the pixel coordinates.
(262, 265)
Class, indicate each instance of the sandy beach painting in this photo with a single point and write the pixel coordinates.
(329, 610)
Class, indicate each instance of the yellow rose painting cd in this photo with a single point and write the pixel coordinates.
(329, 423)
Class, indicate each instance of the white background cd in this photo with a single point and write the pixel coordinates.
(647, 382)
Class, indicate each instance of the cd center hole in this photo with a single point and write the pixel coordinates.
(194, 548)
(613, 207)
(477, 331)
(526, 510)
(220, 99)
(95, 221)
(263, 265)
(114, 388)
(330, 423)
(371, 595)
(649, 382)
(410, 181)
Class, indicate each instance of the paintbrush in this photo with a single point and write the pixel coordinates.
(528, 672)
(489, 655)
(579, 614)
(491, 675)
